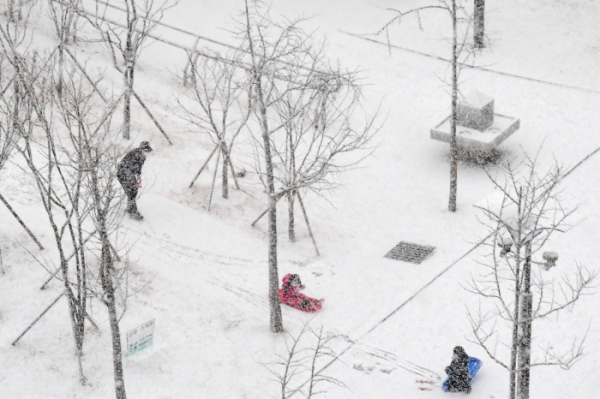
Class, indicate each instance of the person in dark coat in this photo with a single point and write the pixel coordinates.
(458, 371)
(129, 175)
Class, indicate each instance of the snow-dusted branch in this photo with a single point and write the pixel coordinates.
(218, 105)
(301, 361)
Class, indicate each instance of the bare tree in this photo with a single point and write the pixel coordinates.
(14, 37)
(89, 125)
(127, 40)
(521, 222)
(15, 33)
(71, 166)
(7, 141)
(300, 362)
(302, 134)
(290, 364)
(58, 176)
(218, 89)
(265, 51)
(321, 351)
(320, 131)
(101, 159)
(462, 50)
(8, 135)
(64, 17)
(97, 158)
(17, 11)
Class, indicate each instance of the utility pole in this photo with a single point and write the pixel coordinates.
(478, 34)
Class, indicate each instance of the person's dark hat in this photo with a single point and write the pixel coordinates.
(295, 277)
(145, 145)
(459, 350)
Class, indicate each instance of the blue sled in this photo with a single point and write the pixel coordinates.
(474, 366)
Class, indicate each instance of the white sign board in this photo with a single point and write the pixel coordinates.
(140, 338)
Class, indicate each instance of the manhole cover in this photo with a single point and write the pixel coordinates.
(409, 252)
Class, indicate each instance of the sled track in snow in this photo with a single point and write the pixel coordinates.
(190, 258)
(209, 256)
(191, 263)
(391, 358)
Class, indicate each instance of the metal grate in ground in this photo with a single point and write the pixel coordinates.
(409, 252)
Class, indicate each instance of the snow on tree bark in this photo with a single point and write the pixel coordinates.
(106, 277)
(453, 144)
(479, 23)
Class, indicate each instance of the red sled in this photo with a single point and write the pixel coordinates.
(289, 294)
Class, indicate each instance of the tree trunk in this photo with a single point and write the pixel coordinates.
(17, 94)
(129, 56)
(74, 28)
(225, 183)
(77, 323)
(291, 232)
(276, 320)
(61, 67)
(514, 354)
(453, 146)
(291, 195)
(312, 236)
(128, 77)
(525, 346)
(525, 323)
(109, 293)
(79, 252)
(478, 33)
(75, 312)
(514, 347)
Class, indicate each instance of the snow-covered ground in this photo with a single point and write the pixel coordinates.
(202, 275)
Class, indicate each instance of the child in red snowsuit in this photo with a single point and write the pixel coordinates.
(289, 293)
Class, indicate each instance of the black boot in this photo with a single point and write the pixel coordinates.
(135, 215)
(132, 210)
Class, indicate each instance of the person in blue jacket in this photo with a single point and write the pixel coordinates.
(129, 174)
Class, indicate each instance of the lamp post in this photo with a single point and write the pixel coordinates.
(525, 306)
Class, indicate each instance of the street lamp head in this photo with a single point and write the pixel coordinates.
(505, 244)
(550, 258)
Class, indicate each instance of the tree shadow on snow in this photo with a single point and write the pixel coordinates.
(477, 159)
